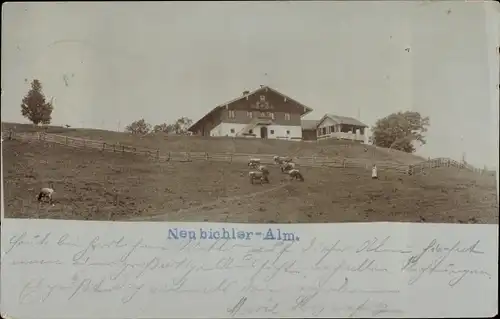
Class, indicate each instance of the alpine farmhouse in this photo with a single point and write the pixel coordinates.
(262, 113)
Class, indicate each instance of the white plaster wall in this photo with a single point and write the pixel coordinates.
(280, 131)
(224, 129)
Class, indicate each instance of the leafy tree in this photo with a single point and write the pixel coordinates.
(400, 130)
(182, 124)
(179, 127)
(34, 106)
(140, 127)
(164, 128)
(160, 128)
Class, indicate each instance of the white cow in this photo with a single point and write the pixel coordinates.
(285, 167)
(47, 193)
(295, 174)
(280, 159)
(254, 162)
(257, 175)
(263, 169)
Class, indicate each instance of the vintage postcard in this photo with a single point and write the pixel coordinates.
(295, 113)
(258, 123)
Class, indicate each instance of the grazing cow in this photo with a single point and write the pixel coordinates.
(285, 167)
(253, 162)
(280, 160)
(263, 169)
(257, 175)
(295, 174)
(47, 193)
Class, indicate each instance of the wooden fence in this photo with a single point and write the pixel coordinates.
(311, 161)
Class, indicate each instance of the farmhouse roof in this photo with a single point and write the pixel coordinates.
(262, 88)
(309, 124)
(343, 120)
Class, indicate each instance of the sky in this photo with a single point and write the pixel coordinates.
(107, 64)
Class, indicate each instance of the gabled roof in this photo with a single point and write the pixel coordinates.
(262, 88)
(309, 124)
(343, 120)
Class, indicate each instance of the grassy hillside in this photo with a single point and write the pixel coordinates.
(169, 143)
(94, 185)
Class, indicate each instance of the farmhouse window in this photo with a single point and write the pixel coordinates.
(267, 115)
(287, 116)
(324, 130)
(232, 130)
(272, 131)
(231, 114)
(250, 114)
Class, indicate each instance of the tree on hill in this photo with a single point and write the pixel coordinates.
(182, 124)
(163, 128)
(400, 130)
(34, 107)
(179, 127)
(140, 127)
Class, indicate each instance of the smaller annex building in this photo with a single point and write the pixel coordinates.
(334, 127)
(262, 113)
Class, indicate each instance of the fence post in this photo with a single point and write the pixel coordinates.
(206, 156)
(83, 143)
(103, 146)
(123, 149)
(188, 157)
(10, 134)
(135, 150)
(410, 170)
(343, 162)
(169, 156)
(230, 158)
(158, 154)
(114, 147)
(66, 140)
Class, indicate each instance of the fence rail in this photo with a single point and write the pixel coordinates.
(308, 161)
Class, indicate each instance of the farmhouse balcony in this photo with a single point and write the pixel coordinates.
(263, 121)
(343, 136)
(265, 116)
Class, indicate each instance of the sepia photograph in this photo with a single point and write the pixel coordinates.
(248, 112)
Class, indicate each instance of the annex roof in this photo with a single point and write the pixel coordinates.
(343, 120)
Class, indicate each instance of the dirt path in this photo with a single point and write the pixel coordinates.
(211, 209)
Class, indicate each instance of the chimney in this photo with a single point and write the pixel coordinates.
(246, 92)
